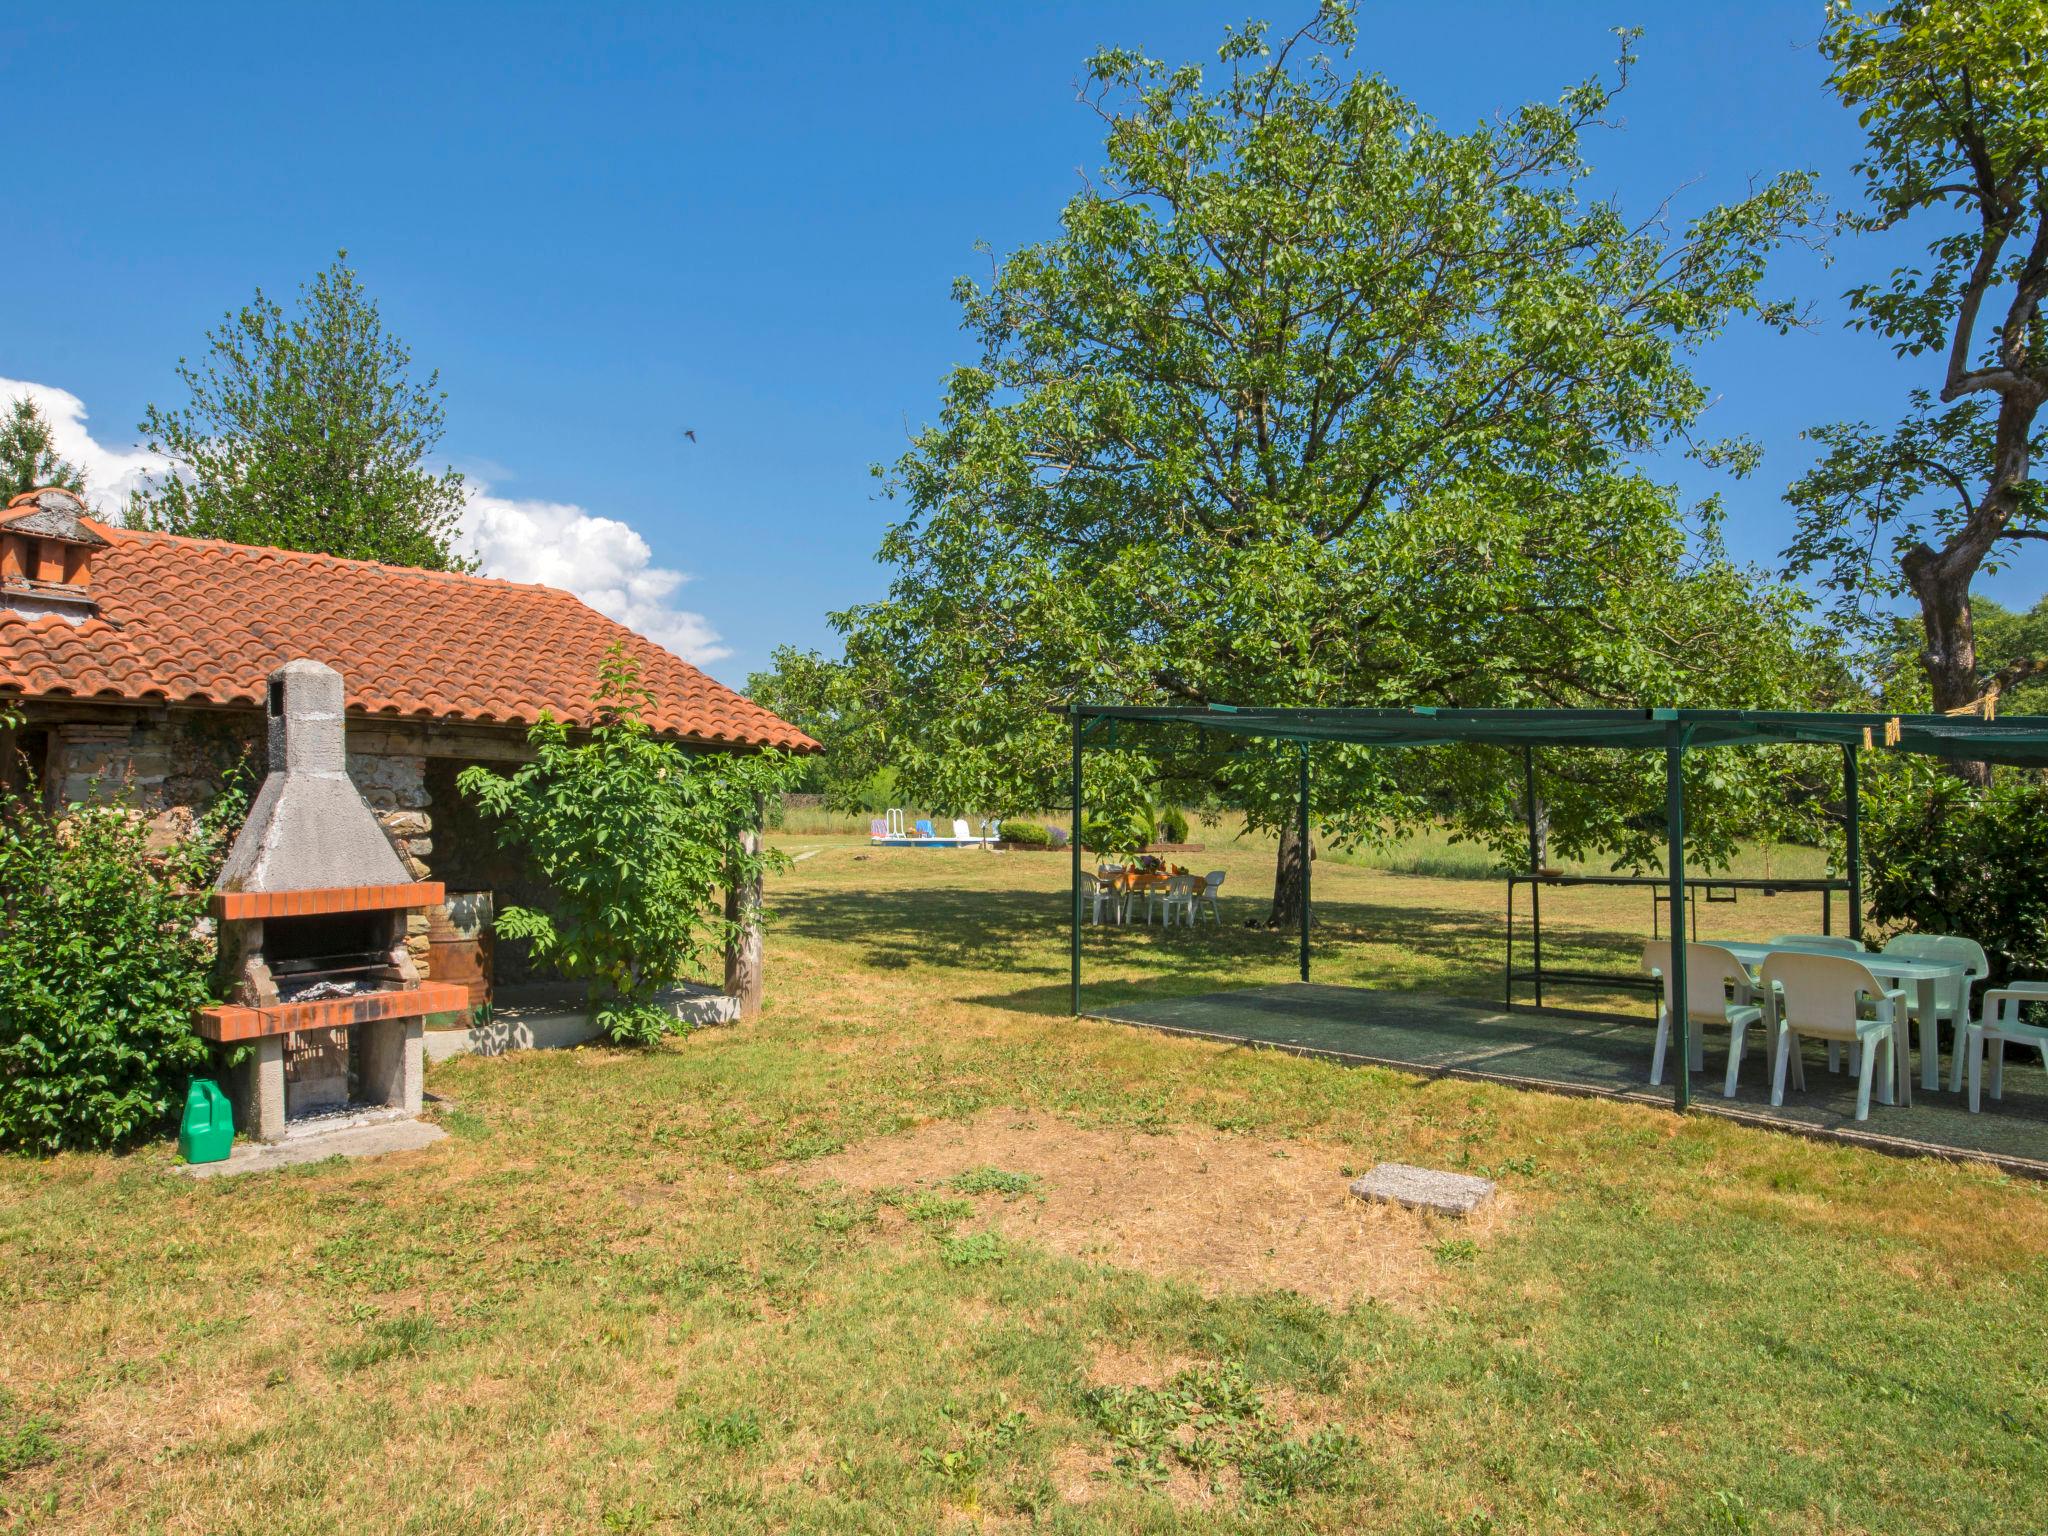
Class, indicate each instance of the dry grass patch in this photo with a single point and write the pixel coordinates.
(1225, 1213)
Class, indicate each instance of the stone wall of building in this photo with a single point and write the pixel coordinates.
(390, 770)
(171, 764)
(168, 765)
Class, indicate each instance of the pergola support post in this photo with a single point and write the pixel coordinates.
(1074, 872)
(1852, 815)
(1677, 994)
(1535, 886)
(1306, 860)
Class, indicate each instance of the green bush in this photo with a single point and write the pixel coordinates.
(1941, 856)
(1173, 825)
(636, 840)
(1120, 831)
(103, 960)
(1030, 834)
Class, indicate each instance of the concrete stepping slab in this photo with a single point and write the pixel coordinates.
(1423, 1189)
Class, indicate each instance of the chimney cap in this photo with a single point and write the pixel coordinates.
(51, 512)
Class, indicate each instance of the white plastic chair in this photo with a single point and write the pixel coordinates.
(1844, 945)
(1182, 891)
(1847, 946)
(1096, 889)
(1821, 996)
(1711, 975)
(1159, 898)
(1205, 898)
(1951, 993)
(1999, 1026)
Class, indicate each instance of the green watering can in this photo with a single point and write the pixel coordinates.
(208, 1129)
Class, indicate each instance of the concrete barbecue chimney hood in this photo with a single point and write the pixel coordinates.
(312, 906)
(309, 828)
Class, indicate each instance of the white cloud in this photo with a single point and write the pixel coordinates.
(110, 473)
(600, 559)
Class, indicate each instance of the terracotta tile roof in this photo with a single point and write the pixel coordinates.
(199, 621)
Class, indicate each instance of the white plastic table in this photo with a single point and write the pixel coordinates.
(1923, 974)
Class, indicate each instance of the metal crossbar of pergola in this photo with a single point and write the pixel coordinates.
(2020, 740)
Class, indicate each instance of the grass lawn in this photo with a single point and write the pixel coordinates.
(915, 1252)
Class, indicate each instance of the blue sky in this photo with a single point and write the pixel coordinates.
(606, 224)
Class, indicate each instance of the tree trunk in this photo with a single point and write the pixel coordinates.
(1288, 880)
(1949, 638)
(1949, 645)
(1940, 578)
(744, 954)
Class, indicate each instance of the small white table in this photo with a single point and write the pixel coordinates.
(1923, 974)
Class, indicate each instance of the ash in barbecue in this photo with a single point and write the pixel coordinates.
(312, 992)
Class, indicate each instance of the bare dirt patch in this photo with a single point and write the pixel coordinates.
(1225, 1213)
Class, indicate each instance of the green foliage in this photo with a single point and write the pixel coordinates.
(960, 1464)
(2007, 640)
(1945, 856)
(103, 960)
(1952, 96)
(404, 1337)
(936, 1211)
(27, 460)
(636, 840)
(738, 1430)
(1173, 825)
(1119, 829)
(1456, 1250)
(1953, 99)
(1030, 834)
(25, 1438)
(995, 1181)
(1209, 1418)
(974, 1251)
(308, 431)
(1311, 401)
(825, 701)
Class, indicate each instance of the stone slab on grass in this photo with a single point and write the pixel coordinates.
(1423, 1189)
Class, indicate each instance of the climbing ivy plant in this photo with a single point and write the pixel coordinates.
(636, 839)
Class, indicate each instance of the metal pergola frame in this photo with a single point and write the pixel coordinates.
(2018, 740)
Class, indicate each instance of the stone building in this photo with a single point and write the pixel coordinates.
(139, 662)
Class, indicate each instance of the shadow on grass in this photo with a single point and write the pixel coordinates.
(1450, 951)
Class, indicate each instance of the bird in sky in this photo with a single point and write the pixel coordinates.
(690, 433)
